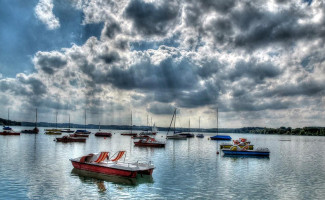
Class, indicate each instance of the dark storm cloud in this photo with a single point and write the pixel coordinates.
(37, 86)
(27, 86)
(168, 75)
(111, 29)
(306, 88)
(54, 102)
(196, 99)
(221, 29)
(208, 67)
(195, 9)
(248, 102)
(151, 19)
(260, 28)
(110, 57)
(161, 109)
(254, 71)
(50, 62)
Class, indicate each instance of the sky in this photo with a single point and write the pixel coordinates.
(259, 63)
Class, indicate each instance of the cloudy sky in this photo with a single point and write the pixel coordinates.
(261, 63)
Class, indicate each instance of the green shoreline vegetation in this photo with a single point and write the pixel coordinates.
(312, 131)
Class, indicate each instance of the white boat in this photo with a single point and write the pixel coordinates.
(175, 136)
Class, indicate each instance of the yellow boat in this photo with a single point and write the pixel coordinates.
(53, 133)
(227, 146)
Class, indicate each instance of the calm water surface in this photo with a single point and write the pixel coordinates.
(36, 167)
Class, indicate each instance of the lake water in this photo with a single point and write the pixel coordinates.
(36, 167)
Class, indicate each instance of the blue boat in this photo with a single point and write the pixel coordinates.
(220, 137)
(7, 128)
(82, 132)
(257, 152)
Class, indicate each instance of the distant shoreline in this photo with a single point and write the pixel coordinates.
(313, 131)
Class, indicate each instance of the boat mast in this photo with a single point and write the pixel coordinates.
(217, 120)
(8, 116)
(85, 118)
(170, 125)
(99, 126)
(131, 121)
(36, 119)
(69, 121)
(175, 122)
(56, 120)
(200, 124)
(189, 125)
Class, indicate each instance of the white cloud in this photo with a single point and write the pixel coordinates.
(44, 12)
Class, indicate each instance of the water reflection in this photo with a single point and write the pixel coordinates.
(97, 178)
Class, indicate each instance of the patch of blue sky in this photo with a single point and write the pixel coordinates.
(22, 34)
(147, 44)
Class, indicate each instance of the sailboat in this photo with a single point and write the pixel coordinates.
(175, 136)
(83, 131)
(8, 130)
(147, 132)
(34, 130)
(130, 133)
(101, 133)
(67, 130)
(54, 131)
(220, 137)
(200, 135)
(189, 135)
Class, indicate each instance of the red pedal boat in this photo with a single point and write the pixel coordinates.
(101, 163)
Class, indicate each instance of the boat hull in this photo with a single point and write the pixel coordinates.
(29, 132)
(109, 170)
(78, 135)
(220, 137)
(188, 135)
(68, 139)
(103, 134)
(9, 133)
(129, 134)
(246, 153)
(147, 144)
(82, 132)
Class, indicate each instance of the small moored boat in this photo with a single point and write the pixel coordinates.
(53, 132)
(129, 134)
(70, 139)
(35, 130)
(8, 131)
(78, 135)
(200, 135)
(149, 142)
(31, 131)
(82, 132)
(235, 150)
(101, 163)
(103, 134)
(242, 142)
(5, 132)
